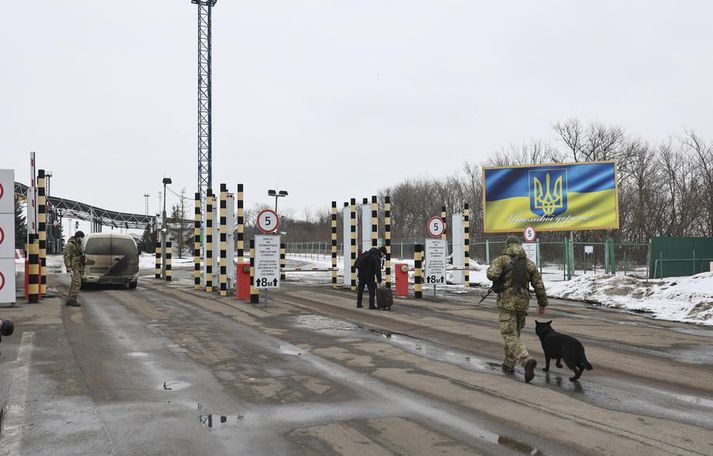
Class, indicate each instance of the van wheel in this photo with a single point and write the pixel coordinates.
(83, 285)
(132, 285)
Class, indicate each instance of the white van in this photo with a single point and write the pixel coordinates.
(110, 259)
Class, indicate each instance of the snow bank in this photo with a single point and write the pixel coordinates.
(686, 299)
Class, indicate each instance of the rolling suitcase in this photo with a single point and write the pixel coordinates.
(384, 298)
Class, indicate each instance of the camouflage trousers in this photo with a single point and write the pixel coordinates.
(511, 323)
(74, 285)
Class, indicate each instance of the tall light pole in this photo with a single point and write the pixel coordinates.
(166, 181)
(280, 194)
(146, 195)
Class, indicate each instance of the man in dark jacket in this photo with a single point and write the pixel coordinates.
(369, 267)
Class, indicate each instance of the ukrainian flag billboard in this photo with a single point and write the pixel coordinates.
(558, 197)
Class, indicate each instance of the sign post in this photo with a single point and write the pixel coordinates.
(436, 252)
(267, 262)
(7, 236)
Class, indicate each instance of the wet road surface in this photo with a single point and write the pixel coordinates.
(167, 370)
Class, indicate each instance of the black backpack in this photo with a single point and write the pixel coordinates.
(519, 277)
(361, 260)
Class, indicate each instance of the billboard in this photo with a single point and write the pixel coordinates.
(554, 197)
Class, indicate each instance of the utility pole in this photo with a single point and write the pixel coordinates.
(205, 141)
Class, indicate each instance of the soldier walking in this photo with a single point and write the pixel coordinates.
(74, 262)
(512, 273)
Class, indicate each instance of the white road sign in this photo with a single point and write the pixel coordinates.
(268, 221)
(7, 191)
(7, 280)
(267, 261)
(530, 250)
(530, 234)
(7, 235)
(436, 226)
(436, 253)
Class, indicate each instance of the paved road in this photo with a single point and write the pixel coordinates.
(166, 370)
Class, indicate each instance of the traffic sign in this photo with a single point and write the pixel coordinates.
(267, 261)
(530, 234)
(531, 251)
(7, 243)
(436, 253)
(436, 226)
(268, 221)
(7, 192)
(7, 235)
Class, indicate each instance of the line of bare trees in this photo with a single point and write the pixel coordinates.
(665, 189)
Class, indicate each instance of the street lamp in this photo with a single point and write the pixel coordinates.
(277, 195)
(166, 181)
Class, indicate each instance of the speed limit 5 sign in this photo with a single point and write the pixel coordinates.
(436, 226)
(268, 221)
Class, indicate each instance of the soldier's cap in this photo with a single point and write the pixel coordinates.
(512, 240)
(6, 328)
(79, 234)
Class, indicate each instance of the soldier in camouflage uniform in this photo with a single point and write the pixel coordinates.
(74, 262)
(513, 301)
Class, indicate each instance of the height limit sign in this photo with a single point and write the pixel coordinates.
(267, 261)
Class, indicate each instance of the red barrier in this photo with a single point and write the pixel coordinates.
(401, 279)
(242, 288)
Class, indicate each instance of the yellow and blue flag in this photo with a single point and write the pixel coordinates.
(559, 197)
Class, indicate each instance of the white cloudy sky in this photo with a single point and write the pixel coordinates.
(332, 99)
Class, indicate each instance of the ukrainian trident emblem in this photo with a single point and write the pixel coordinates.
(548, 192)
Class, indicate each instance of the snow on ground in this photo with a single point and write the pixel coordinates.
(687, 299)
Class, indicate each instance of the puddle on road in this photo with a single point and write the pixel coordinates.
(219, 421)
(606, 392)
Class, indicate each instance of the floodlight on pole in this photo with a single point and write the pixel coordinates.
(277, 194)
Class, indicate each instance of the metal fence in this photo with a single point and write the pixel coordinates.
(586, 257)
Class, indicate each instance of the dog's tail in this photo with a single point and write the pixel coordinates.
(586, 364)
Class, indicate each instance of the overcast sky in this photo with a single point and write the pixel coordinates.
(332, 99)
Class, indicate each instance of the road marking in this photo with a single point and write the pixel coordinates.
(15, 416)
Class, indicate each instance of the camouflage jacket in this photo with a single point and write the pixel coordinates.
(73, 254)
(514, 299)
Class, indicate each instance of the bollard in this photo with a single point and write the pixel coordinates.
(169, 255)
(401, 277)
(209, 242)
(223, 224)
(418, 273)
(283, 261)
(334, 244)
(242, 278)
(466, 241)
(42, 229)
(197, 242)
(34, 280)
(254, 291)
(157, 271)
(387, 240)
(241, 224)
(353, 243)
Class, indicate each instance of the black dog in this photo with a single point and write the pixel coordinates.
(561, 346)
